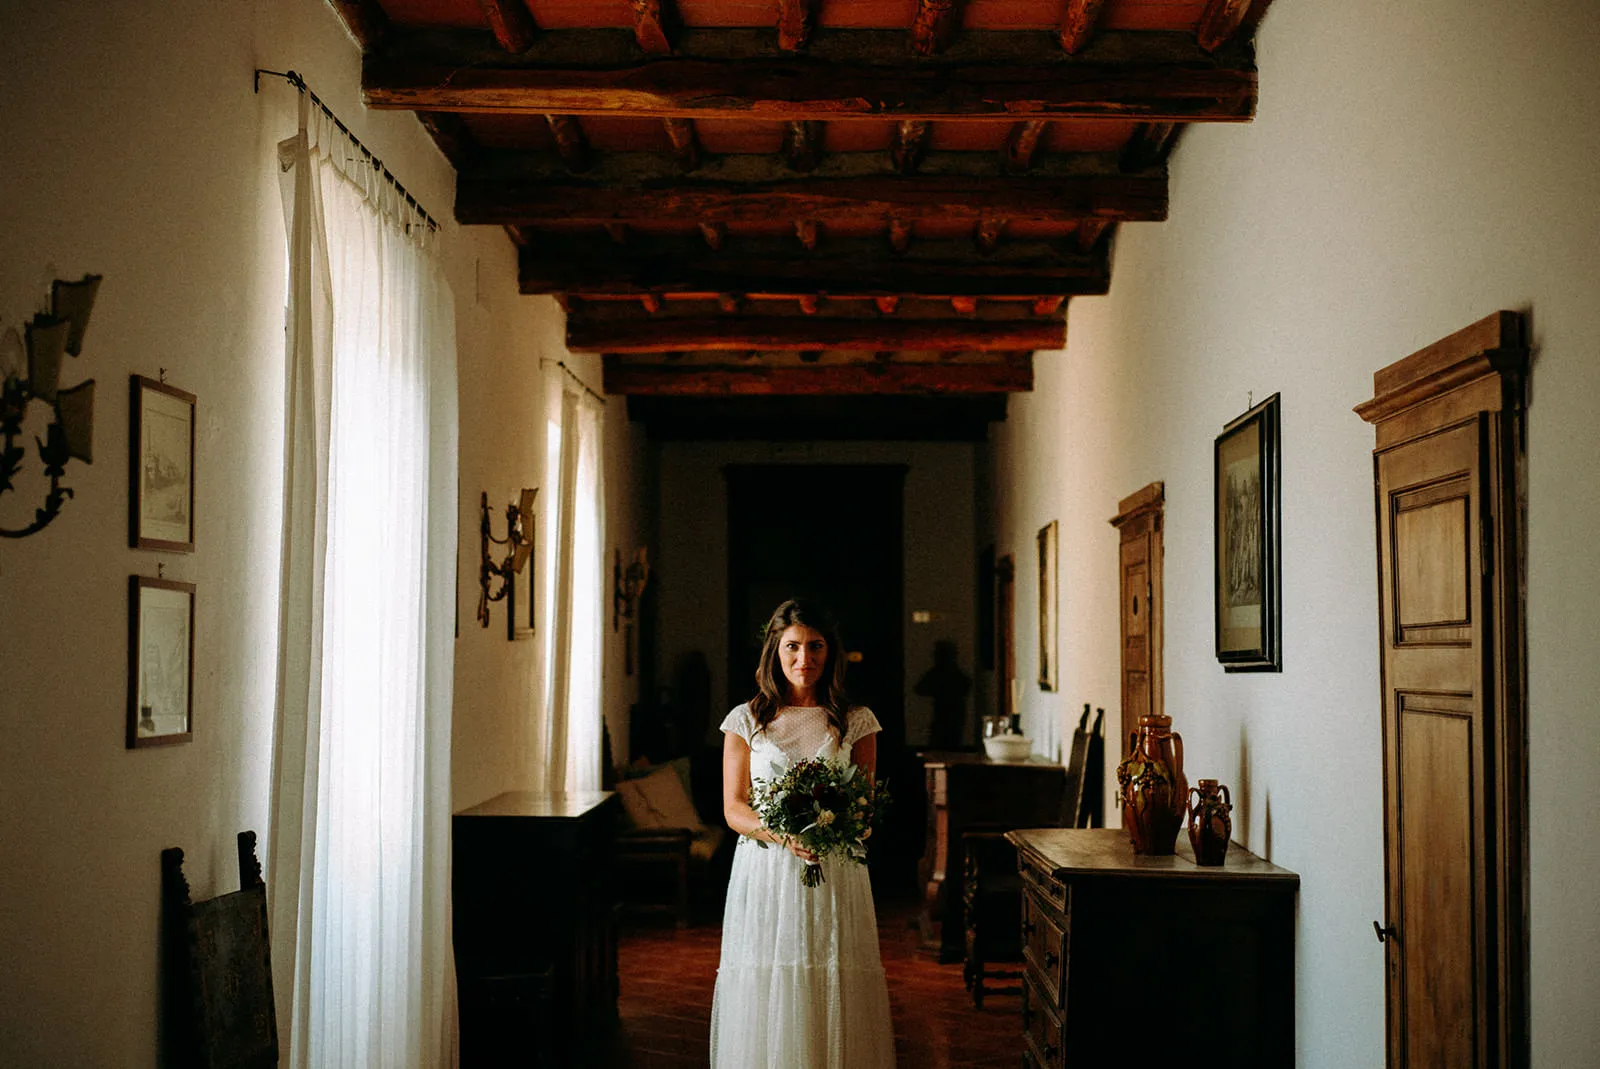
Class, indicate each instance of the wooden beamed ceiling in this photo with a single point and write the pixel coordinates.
(811, 197)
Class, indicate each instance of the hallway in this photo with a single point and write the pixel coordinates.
(667, 976)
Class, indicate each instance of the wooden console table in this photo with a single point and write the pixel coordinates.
(969, 792)
(535, 926)
(1153, 958)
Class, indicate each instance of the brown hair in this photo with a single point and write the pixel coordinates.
(773, 690)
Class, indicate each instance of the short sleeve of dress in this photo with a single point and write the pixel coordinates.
(861, 724)
(739, 723)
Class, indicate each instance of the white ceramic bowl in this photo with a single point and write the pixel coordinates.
(1007, 747)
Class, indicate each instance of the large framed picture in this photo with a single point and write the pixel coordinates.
(1248, 543)
(160, 661)
(1048, 625)
(161, 473)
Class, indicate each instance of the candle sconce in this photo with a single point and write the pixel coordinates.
(519, 543)
(627, 587)
(70, 434)
(627, 584)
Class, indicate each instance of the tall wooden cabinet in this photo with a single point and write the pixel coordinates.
(535, 927)
(1135, 960)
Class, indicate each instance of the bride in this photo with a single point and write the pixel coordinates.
(800, 984)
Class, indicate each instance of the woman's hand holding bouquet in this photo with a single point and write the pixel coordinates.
(829, 808)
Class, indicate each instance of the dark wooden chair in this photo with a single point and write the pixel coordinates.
(992, 889)
(219, 961)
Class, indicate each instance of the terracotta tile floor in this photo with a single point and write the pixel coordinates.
(667, 977)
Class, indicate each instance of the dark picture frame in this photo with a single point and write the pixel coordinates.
(161, 466)
(1247, 524)
(1049, 619)
(160, 661)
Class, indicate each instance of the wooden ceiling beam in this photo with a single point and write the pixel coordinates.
(990, 228)
(1011, 373)
(650, 20)
(910, 145)
(1079, 20)
(365, 20)
(811, 417)
(794, 24)
(449, 131)
(1150, 145)
(812, 333)
(933, 25)
(692, 201)
(1220, 20)
(571, 145)
(685, 145)
(802, 145)
(863, 267)
(511, 23)
(1021, 144)
(1144, 76)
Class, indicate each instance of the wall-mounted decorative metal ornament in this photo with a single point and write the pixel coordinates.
(519, 543)
(70, 433)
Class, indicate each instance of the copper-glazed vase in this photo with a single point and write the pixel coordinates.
(1154, 791)
(1210, 825)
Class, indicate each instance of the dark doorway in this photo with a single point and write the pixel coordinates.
(831, 532)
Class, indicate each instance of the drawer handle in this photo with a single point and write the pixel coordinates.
(1050, 1053)
(1028, 927)
(1050, 959)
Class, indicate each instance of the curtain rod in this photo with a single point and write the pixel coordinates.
(294, 79)
(574, 376)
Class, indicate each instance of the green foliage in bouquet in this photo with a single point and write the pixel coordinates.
(829, 807)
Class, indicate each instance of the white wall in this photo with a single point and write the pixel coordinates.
(136, 148)
(940, 554)
(1412, 169)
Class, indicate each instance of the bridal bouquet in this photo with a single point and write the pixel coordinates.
(829, 807)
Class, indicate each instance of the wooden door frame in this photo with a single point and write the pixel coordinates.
(1478, 375)
(1140, 514)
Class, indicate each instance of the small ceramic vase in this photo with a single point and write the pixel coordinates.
(1210, 826)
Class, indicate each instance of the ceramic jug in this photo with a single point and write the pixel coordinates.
(1210, 826)
(1155, 793)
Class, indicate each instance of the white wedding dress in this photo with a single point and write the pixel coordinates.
(800, 984)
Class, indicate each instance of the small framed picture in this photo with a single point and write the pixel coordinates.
(161, 473)
(1048, 625)
(160, 661)
(1248, 545)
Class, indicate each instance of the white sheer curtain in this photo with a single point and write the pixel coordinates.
(359, 853)
(574, 585)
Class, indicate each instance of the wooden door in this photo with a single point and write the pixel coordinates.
(847, 552)
(1448, 523)
(1138, 520)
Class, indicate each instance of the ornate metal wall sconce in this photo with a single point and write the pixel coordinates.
(71, 433)
(627, 584)
(518, 539)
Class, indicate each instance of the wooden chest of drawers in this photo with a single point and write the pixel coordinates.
(1128, 957)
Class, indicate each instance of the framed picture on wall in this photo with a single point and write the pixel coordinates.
(161, 472)
(1048, 626)
(160, 661)
(1248, 542)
